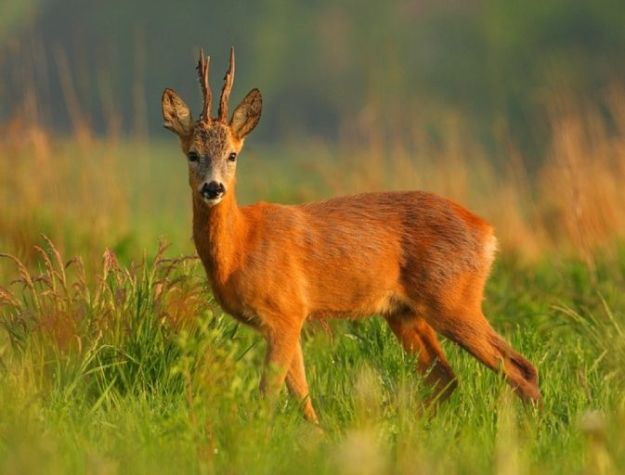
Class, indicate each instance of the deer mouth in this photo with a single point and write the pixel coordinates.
(212, 201)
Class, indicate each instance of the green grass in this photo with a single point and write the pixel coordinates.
(137, 371)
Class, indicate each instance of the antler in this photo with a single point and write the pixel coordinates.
(225, 92)
(203, 65)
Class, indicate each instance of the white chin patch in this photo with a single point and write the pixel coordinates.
(212, 202)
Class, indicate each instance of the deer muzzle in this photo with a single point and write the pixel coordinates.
(213, 190)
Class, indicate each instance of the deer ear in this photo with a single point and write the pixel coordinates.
(176, 114)
(247, 114)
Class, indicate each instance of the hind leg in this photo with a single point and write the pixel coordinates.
(472, 332)
(417, 337)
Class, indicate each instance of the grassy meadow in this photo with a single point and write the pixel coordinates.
(115, 359)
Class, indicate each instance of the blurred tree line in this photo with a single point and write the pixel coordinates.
(321, 65)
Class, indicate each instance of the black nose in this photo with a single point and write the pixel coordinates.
(212, 190)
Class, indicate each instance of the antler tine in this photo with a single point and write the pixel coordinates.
(203, 65)
(225, 92)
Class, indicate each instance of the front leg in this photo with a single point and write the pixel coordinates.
(282, 346)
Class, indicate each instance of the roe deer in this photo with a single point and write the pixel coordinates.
(419, 260)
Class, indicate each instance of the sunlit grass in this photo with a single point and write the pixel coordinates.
(133, 369)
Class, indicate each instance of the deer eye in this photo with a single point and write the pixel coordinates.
(193, 157)
(232, 157)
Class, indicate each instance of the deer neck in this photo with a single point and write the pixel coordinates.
(218, 232)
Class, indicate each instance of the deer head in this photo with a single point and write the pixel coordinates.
(212, 145)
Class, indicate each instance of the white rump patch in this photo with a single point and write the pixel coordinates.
(490, 249)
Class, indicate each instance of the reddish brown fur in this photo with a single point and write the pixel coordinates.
(417, 259)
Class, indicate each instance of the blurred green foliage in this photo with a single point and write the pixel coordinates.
(321, 64)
